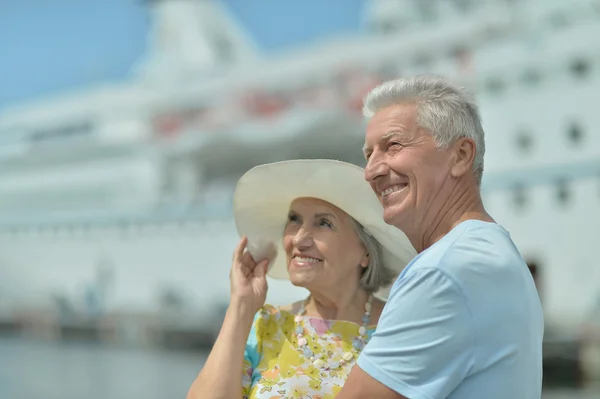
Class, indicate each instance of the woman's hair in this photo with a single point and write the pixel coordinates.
(375, 275)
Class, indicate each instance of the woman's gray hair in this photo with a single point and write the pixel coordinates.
(448, 111)
(375, 275)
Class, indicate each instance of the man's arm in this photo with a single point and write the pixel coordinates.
(424, 345)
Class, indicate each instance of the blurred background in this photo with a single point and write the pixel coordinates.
(125, 124)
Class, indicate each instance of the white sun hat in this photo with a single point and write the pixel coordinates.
(264, 194)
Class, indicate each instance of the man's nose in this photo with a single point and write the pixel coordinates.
(375, 168)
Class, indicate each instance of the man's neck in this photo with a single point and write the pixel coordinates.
(463, 204)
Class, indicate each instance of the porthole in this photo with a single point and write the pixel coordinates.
(559, 20)
(386, 26)
(531, 77)
(575, 133)
(563, 193)
(495, 85)
(524, 141)
(464, 6)
(519, 197)
(534, 269)
(580, 68)
(423, 62)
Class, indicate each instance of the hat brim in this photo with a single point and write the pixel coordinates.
(264, 194)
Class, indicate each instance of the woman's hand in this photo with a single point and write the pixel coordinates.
(248, 279)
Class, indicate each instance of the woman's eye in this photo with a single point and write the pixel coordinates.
(326, 223)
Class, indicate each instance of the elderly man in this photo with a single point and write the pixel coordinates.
(464, 318)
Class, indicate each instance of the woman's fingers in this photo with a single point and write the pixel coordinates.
(248, 260)
(261, 268)
(239, 250)
(249, 267)
(245, 263)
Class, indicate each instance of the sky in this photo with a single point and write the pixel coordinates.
(50, 46)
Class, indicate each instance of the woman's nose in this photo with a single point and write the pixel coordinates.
(302, 239)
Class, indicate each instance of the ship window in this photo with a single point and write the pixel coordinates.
(531, 77)
(464, 5)
(563, 194)
(224, 48)
(534, 269)
(495, 85)
(574, 133)
(580, 68)
(389, 70)
(524, 141)
(519, 197)
(386, 26)
(423, 62)
(427, 11)
(559, 20)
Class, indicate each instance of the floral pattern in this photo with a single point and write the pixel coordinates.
(275, 369)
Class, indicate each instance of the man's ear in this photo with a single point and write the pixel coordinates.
(464, 155)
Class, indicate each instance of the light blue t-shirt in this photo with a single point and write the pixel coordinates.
(463, 320)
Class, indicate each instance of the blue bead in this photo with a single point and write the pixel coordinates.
(366, 319)
(299, 330)
(307, 352)
(357, 344)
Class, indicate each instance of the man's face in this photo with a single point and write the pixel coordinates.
(405, 167)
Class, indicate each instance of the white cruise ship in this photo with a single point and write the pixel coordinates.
(128, 186)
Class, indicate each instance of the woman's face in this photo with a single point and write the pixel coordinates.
(322, 246)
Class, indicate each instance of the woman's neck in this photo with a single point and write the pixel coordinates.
(349, 306)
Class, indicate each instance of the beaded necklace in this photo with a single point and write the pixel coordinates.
(357, 342)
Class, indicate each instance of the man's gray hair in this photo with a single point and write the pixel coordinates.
(448, 111)
(375, 275)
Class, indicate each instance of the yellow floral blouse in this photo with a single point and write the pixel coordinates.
(274, 367)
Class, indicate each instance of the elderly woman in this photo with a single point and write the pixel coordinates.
(327, 233)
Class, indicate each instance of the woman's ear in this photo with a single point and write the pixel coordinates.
(364, 262)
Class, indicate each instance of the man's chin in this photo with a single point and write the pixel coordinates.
(392, 216)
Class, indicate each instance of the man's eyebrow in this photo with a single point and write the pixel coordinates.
(385, 137)
(389, 135)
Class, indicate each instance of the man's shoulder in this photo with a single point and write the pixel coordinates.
(472, 241)
(474, 252)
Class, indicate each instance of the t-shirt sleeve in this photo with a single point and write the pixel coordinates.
(424, 345)
(251, 356)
